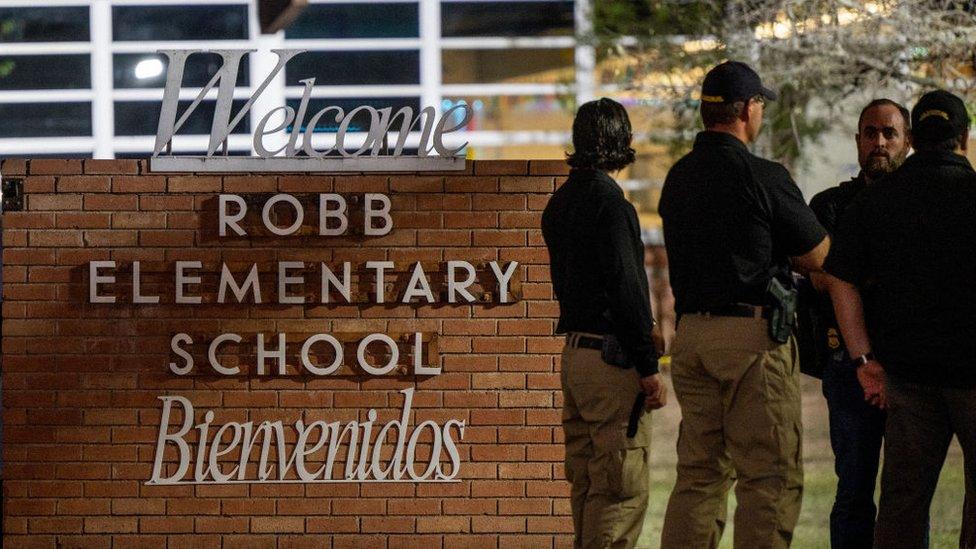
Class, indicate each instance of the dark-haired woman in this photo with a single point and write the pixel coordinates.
(597, 265)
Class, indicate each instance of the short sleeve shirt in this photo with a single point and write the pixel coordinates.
(731, 220)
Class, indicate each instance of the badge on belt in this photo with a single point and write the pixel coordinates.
(833, 338)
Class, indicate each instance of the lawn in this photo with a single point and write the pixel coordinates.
(812, 532)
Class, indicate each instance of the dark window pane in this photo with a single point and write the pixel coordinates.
(508, 65)
(327, 123)
(148, 70)
(179, 22)
(66, 24)
(45, 72)
(45, 119)
(56, 155)
(506, 18)
(142, 117)
(202, 152)
(354, 67)
(393, 20)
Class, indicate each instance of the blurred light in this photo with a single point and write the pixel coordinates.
(148, 68)
(705, 44)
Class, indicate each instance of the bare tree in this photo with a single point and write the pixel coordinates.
(816, 52)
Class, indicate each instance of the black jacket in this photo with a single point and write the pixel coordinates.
(829, 205)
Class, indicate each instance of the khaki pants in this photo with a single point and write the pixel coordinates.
(740, 404)
(608, 471)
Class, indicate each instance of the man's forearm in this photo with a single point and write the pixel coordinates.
(850, 316)
(820, 281)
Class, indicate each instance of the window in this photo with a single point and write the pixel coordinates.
(142, 117)
(148, 70)
(201, 152)
(59, 155)
(508, 65)
(517, 112)
(64, 24)
(506, 18)
(221, 22)
(392, 20)
(45, 119)
(46, 72)
(327, 124)
(354, 67)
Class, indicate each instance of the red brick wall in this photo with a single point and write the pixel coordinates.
(81, 380)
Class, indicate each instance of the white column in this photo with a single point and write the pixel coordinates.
(261, 63)
(430, 54)
(103, 111)
(585, 52)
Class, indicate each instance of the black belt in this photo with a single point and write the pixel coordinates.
(743, 310)
(585, 342)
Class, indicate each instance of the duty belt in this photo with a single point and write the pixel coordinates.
(743, 310)
(578, 341)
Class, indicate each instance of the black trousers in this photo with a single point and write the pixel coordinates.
(921, 423)
(856, 431)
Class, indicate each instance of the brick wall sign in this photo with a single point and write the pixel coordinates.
(284, 360)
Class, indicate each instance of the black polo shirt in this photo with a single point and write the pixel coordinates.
(908, 242)
(596, 258)
(732, 220)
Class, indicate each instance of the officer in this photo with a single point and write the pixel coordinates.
(856, 427)
(732, 223)
(609, 363)
(902, 285)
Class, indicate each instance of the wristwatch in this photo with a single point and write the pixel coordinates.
(859, 361)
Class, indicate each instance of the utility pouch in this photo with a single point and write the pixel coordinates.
(784, 303)
(612, 353)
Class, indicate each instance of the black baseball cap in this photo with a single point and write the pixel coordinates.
(733, 81)
(939, 115)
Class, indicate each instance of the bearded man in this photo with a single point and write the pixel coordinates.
(856, 427)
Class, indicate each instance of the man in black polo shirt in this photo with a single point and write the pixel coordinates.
(903, 285)
(732, 222)
(856, 427)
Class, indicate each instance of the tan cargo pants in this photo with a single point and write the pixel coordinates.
(740, 404)
(609, 472)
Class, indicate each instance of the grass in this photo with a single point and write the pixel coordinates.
(812, 531)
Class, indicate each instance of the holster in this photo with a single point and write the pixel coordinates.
(612, 353)
(784, 302)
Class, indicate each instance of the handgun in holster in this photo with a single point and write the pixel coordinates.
(612, 352)
(784, 302)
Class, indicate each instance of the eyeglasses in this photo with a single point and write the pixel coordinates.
(759, 99)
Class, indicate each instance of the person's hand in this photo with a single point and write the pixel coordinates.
(655, 391)
(872, 379)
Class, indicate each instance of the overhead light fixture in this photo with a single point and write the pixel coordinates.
(148, 68)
